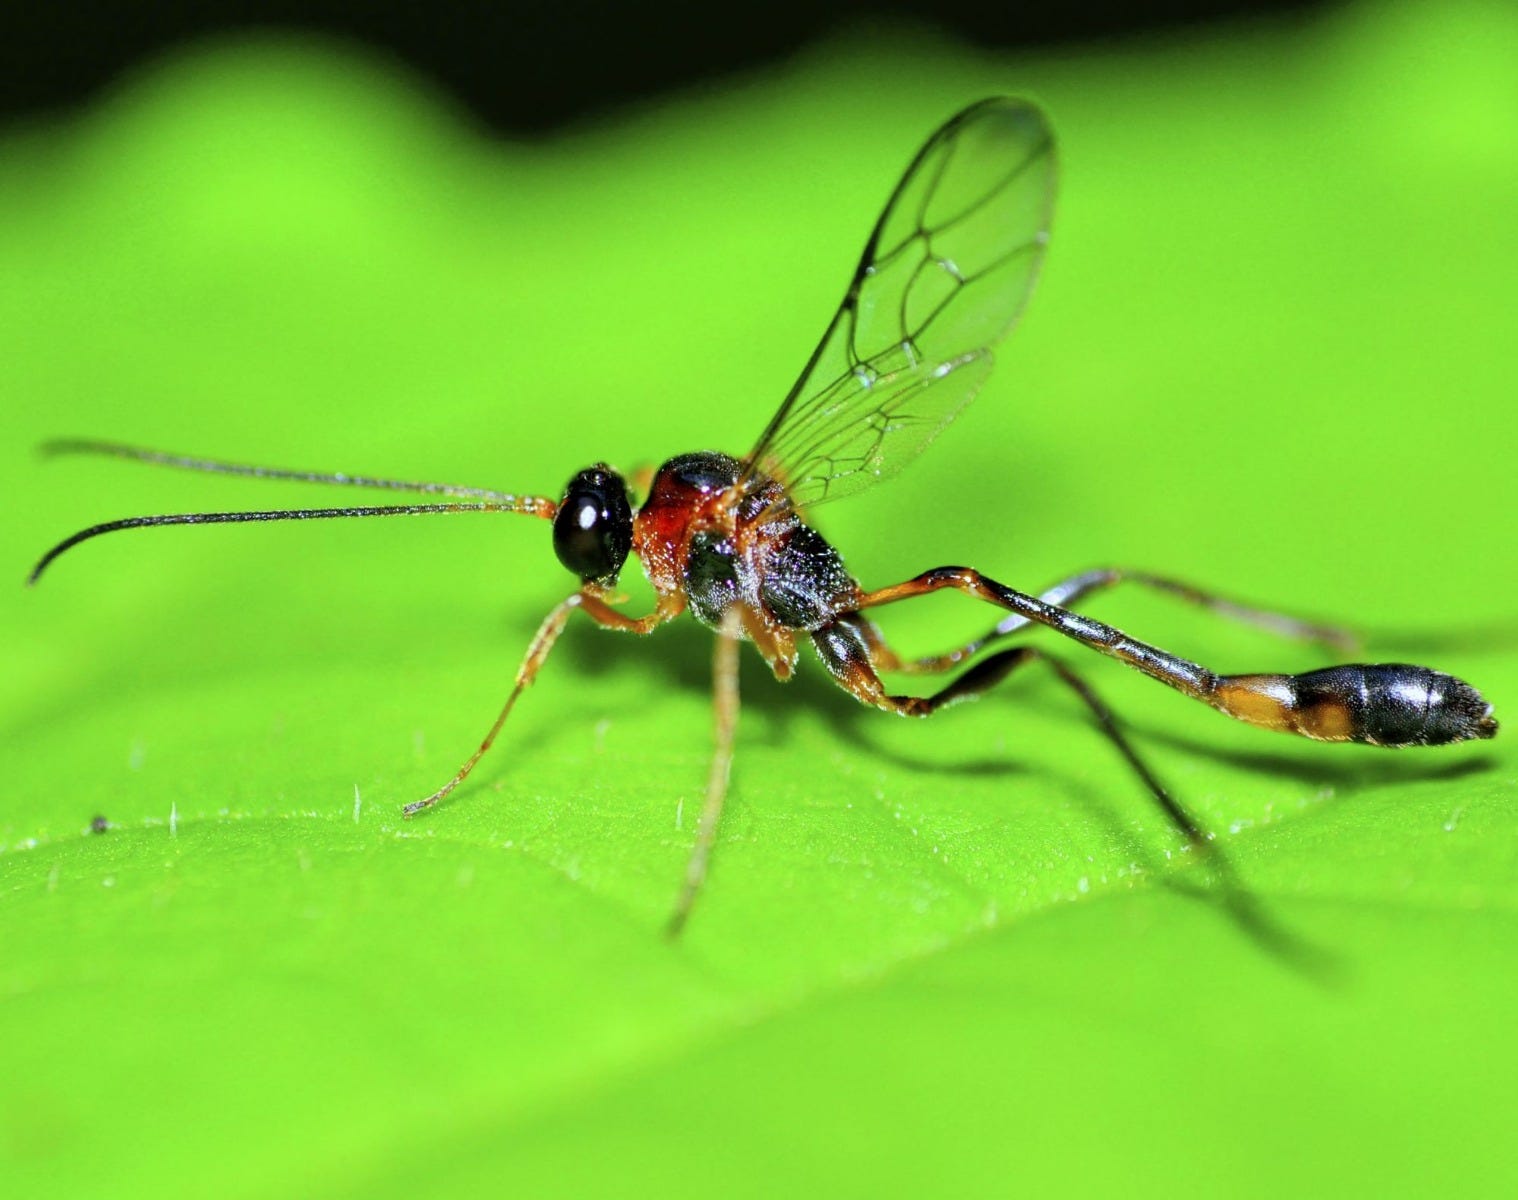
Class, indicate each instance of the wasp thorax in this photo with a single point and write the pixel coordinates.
(592, 532)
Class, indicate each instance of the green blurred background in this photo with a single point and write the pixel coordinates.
(1272, 353)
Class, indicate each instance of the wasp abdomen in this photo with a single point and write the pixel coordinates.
(1380, 704)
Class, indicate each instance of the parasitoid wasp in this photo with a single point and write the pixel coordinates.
(944, 276)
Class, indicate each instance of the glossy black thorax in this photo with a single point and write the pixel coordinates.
(722, 547)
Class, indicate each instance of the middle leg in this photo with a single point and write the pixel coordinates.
(725, 724)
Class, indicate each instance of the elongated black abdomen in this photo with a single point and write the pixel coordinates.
(1398, 704)
(1380, 704)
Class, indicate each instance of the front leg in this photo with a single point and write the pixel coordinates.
(598, 610)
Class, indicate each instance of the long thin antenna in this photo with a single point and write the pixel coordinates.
(161, 458)
(533, 506)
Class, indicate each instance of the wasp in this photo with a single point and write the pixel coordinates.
(944, 276)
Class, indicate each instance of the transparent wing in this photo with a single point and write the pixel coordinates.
(944, 276)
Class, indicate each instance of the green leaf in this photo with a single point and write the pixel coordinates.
(1270, 354)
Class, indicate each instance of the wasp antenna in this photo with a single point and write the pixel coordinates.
(533, 506)
(58, 447)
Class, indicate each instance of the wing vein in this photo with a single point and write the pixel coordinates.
(945, 274)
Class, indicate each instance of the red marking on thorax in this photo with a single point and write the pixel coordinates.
(663, 527)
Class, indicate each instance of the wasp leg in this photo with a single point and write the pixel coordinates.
(542, 642)
(725, 713)
(603, 614)
(1068, 591)
(848, 656)
(847, 652)
(1077, 587)
(1379, 704)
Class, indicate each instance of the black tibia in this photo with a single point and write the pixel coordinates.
(1380, 705)
(852, 648)
(1068, 591)
(848, 648)
(1179, 673)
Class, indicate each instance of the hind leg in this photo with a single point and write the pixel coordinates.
(845, 648)
(1380, 704)
(1077, 587)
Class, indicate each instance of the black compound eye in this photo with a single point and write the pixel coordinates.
(592, 532)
